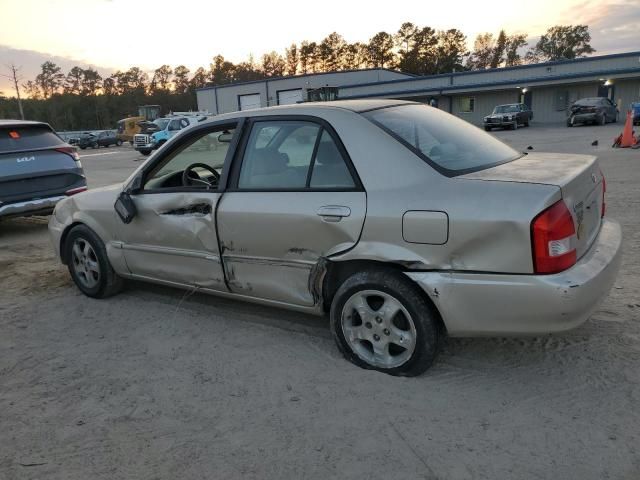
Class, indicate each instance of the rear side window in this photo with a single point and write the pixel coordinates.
(449, 144)
(293, 155)
(27, 138)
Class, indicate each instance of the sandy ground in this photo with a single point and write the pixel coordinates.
(156, 384)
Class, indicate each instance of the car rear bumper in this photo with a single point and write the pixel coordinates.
(585, 117)
(477, 304)
(40, 206)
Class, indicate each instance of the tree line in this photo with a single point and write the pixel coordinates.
(83, 99)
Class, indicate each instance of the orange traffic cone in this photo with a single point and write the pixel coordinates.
(627, 139)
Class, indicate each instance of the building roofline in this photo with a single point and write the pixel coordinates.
(499, 69)
(524, 82)
(302, 75)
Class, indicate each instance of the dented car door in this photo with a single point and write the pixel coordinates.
(172, 237)
(294, 200)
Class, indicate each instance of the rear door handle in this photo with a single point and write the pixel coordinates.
(333, 213)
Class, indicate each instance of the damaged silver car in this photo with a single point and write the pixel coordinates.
(401, 222)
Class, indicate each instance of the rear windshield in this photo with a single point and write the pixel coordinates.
(451, 145)
(14, 139)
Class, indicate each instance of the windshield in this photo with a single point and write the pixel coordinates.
(587, 101)
(449, 144)
(161, 123)
(505, 109)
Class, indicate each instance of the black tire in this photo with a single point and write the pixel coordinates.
(487, 129)
(108, 282)
(402, 289)
(83, 148)
(145, 152)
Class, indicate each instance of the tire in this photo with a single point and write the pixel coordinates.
(89, 265)
(415, 321)
(145, 152)
(83, 148)
(603, 119)
(487, 129)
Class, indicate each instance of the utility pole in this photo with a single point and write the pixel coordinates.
(15, 79)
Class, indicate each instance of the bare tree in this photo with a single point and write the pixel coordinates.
(15, 78)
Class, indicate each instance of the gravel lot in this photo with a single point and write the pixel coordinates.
(157, 384)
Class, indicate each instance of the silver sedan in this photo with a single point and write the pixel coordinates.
(399, 221)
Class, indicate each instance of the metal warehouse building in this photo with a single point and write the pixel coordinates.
(548, 88)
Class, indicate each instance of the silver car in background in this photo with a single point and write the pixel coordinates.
(400, 221)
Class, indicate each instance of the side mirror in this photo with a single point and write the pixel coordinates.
(125, 208)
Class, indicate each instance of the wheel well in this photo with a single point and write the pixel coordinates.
(338, 272)
(63, 240)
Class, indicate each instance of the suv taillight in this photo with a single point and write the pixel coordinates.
(71, 151)
(553, 238)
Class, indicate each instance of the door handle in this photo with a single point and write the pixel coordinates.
(333, 213)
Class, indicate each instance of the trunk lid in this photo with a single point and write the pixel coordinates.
(578, 177)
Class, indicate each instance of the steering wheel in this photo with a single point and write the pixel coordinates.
(190, 178)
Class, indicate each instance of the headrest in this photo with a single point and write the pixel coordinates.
(269, 162)
(328, 154)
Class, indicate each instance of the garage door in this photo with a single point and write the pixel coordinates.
(289, 97)
(247, 102)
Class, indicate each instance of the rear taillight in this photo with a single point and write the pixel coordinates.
(604, 190)
(553, 237)
(71, 151)
(73, 191)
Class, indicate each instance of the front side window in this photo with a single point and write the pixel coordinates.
(451, 145)
(208, 148)
(292, 155)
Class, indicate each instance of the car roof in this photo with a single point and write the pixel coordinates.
(309, 108)
(22, 123)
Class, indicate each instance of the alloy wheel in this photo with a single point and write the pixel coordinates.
(379, 329)
(85, 263)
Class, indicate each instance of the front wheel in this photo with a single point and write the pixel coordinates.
(145, 152)
(89, 265)
(380, 320)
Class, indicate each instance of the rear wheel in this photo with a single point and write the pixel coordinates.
(381, 321)
(89, 265)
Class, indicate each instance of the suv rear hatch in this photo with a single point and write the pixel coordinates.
(578, 177)
(35, 163)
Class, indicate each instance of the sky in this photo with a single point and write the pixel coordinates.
(117, 34)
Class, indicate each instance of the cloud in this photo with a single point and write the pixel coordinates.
(29, 62)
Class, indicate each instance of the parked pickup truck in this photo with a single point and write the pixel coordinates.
(156, 133)
(510, 116)
(37, 169)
